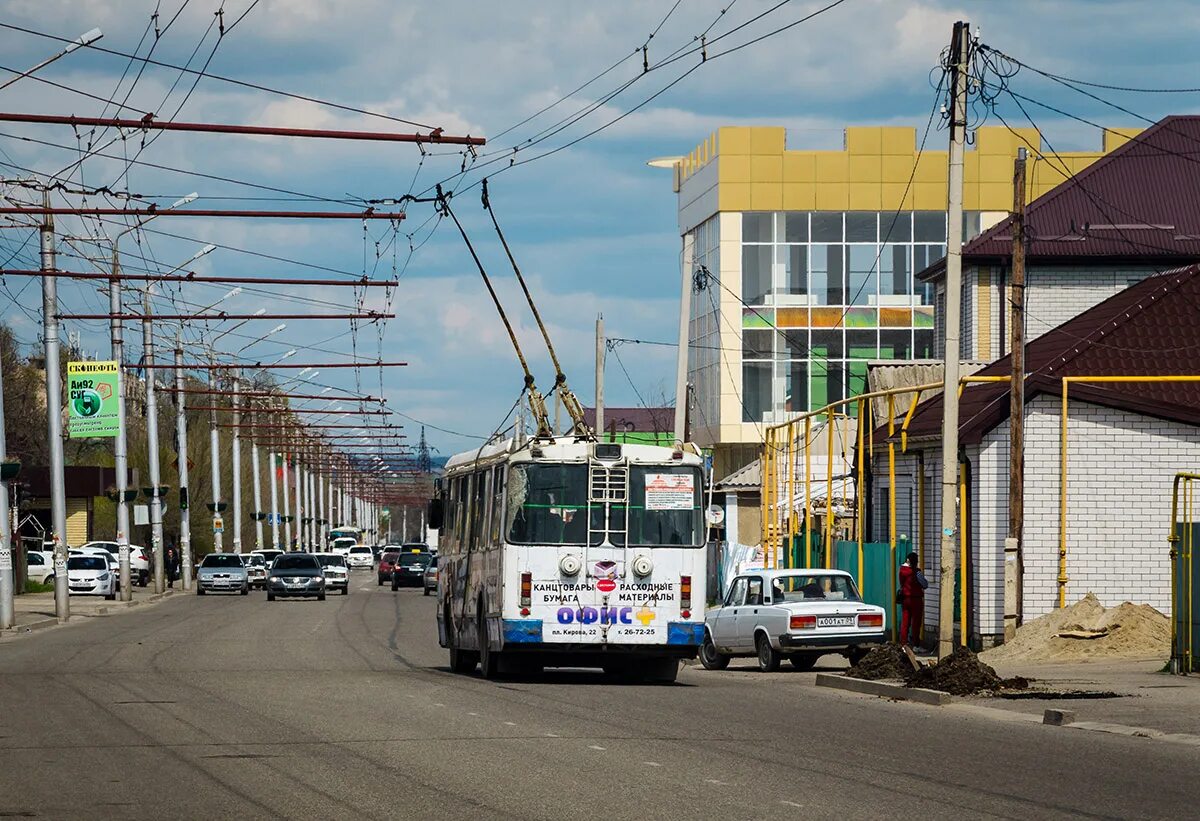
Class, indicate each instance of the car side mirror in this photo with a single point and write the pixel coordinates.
(436, 513)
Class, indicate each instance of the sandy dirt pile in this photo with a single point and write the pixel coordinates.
(885, 661)
(1088, 630)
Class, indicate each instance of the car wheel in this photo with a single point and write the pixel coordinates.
(199, 590)
(710, 657)
(270, 596)
(381, 581)
(768, 656)
(246, 590)
(661, 670)
(346, 590)
(110, 597)
(804, 661)
(320, 597)
(426, 591)
(395, 584)
(489, 660)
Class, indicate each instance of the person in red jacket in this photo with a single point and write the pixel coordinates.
(911, 597)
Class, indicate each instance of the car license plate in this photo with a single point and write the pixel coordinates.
(835, 621)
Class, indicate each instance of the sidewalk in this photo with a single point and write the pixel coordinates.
(33, 611)
(1146, 697)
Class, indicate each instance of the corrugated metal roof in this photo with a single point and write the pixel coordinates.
(1140, 201)
(1151, 328)
(888, 374)
(744, 478)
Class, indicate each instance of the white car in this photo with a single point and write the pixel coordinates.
(360, 556)
(88, 574)
(39, 567)
(800, 614)
(337, 573)
(113, 564)
(256, 569)
(269, 555)
(139, 559)
(342, 545)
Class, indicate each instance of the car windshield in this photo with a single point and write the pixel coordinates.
(297, 561)
(360, 549)
(414, 560)
(270, 555)
(331, 560)
(221, 560)
(87, 563)
(548, 504)
(253, 559)
(811, 586)
(389, 557)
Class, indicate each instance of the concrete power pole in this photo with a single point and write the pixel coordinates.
(600, 377)
(7, 576)
(681, 360)
(1013, 558)
(237, 466)
(156, 523)
(120, 443)
(257, 488)
(214, 444)
(272, 458)
(185, 515)
(287, 509)
(58, 488)
(954, 226)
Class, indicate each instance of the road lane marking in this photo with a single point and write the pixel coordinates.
(595, 747)
(553, 735)
(652, 764)
(790, 803)
(511, 723)
(716, 782)
(438, 704)
(472, 714)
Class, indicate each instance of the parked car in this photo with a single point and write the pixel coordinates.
(139, 560)
(800, 615)
(431, 576)
(409, 570)
(39, 567)
(113, 564)
(387, 563)
(256, 569)
(337, 573)
(296, 574)
(360, 556)
(222, 572)
(88, 574)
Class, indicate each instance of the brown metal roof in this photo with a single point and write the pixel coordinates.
(1139, 202)
(641, 420)
(1151, 328)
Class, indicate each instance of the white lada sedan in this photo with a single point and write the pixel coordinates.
(800, 614)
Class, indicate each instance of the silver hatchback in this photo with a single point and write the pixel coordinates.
(222, 573)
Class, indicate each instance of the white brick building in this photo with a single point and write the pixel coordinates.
(1126, 442)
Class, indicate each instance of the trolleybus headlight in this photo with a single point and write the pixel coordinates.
(570, 564)
(642, 566)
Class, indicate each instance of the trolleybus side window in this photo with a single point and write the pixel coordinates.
(497, 504)
(664, 505)
(547, 504)
(479, 510)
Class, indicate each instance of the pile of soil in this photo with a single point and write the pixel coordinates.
(960, 674)
(1088, 630)
(884, 661)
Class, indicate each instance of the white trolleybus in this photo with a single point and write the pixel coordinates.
(571, 554)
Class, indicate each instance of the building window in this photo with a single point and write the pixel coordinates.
(756, 273)
(756, 391)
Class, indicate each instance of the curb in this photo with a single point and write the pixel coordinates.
(883, 689)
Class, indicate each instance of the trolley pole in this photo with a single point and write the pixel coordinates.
(156, 524)
(954, 219)
(237, 466)
(58, 489)
(185, 516)
(120, 444)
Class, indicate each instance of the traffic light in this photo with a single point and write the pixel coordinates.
(183, 499)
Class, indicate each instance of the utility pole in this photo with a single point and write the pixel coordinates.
(954, 221)
(237, 465)
(120, 444)
(7, 576)
(599, 377)
(272, 458)
(185, 516)
(287, 510)
(156, 525)
(215, 462)
(58, 489)
(1014, 564)
(321, 540)
(258, 511)
(301, 511)
(681, 361)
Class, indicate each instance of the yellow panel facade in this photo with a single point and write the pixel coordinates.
(734, 168)
(832, 196)
(860, 140)
(766, 197)
(766, 168)
(734, 196)
(768, 141)
(866, 168)
(733, 141)
(77, 521)
(898, 141)
(896, 196)
(833, 167)
(799, 196)
(800, 166)
(898, 168)
(865, 196)
(995, 196)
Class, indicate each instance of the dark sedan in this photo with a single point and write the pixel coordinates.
(410, 569)
(296, 574)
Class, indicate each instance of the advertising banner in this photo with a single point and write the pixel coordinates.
(92, 392)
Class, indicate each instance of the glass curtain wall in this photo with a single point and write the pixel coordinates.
(824, 293)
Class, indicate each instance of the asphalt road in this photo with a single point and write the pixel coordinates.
(229, 706)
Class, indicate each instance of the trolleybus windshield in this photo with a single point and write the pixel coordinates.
(548, 504)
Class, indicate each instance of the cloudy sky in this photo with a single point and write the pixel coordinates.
(592, 225)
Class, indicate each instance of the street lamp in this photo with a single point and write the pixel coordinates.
(292, 352)
(82, 40)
